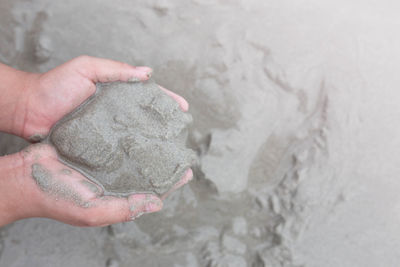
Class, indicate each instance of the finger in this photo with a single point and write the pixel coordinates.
(109, 210)
(106, 70)
(181, 101)
(185, 179)
(143, 203)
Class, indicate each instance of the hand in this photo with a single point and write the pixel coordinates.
(53, 94)
(56, 191)
(43, 186)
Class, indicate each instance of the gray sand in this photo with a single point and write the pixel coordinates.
(128, 137)
(295, 107)
(46, 182)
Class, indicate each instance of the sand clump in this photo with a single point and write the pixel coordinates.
(128, 137)
(48, 184)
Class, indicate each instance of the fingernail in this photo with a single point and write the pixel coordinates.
(143, 68)
(148, 71)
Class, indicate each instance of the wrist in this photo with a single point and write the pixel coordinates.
(13, 205)
(15, 87)
(23, 125)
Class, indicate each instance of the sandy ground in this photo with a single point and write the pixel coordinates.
(295, 107)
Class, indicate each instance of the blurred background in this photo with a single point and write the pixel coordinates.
(296, 125)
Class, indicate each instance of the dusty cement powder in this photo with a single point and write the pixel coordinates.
(129, 137)
(295, 107)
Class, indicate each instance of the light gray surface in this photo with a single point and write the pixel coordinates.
(129, 137)
(295, 107)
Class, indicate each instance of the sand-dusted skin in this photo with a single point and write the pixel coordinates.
(128, 137)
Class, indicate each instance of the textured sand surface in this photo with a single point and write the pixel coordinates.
(129, 137)
(295, 107)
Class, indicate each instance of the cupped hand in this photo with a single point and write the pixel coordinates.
(53, 189)
(51, 95)
(61, 193)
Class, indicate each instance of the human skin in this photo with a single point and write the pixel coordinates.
(30, 104)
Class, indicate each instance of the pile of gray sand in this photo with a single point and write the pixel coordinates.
(128, 137)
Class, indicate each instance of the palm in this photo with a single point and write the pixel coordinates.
(61, 191)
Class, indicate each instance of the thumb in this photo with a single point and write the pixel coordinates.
(109, 209)
(106, 70)
(140, 204)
